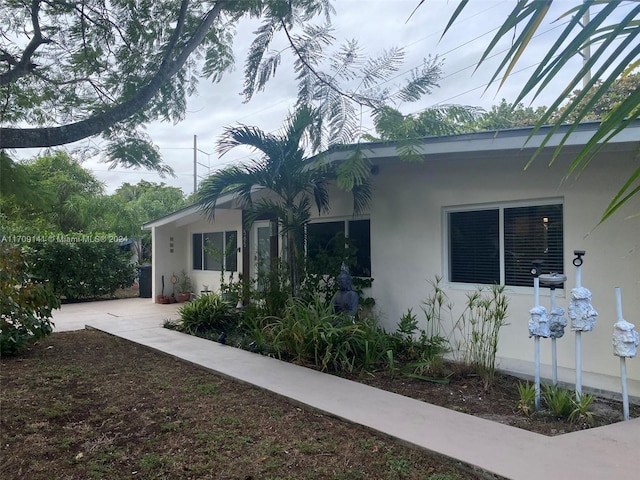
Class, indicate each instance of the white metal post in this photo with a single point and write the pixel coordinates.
(554, 352)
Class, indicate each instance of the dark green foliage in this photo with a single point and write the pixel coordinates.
(312, 333)
(565, 403)
(527, 402)
(25, 305)
(558, 400)
(81, 266)
(207, 314)
(419, 352)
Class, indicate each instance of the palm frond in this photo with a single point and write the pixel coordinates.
(623, 195)
(361, 198)
(410, 150)
(243, 135)
(346, 60)
(234, 179)
(615, 46)
(354, 170)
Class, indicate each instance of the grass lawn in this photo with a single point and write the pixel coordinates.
(83, 405)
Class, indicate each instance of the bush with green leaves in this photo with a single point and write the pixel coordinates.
(207, 315)
(527, 402)
(81, 266)
(312, 333)
(477, 331)
(25, 304)
(565, 403)
(420, 352)
(558, 400)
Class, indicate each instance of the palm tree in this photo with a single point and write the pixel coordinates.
(611, 38)
(293, 179)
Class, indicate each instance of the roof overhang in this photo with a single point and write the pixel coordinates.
(481, 144)
(192, 213)
(474, 146)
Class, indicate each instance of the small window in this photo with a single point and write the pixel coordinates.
(499, 245)
(213, 243)
(211, 249)
(197, 251)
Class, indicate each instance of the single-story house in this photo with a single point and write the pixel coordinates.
(472, 214)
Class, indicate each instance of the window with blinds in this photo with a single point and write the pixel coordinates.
(528, 233)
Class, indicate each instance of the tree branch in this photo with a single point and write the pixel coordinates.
(54, 136)
(24, 66)
(312, 70)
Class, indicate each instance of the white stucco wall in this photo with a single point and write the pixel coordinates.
(167, 262)
(407, 249)
(167, 257)
(225, 220)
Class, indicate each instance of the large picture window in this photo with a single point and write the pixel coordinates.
(334, 240)
(499, 244)
(215, 250)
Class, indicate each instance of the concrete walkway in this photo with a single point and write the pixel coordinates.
(600, 453)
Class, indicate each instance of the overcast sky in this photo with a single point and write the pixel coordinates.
(377, 25)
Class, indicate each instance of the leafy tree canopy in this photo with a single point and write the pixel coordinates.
(54, 187)
(73, 70)
(505, 115)
(390, 124)
(65, 197)
(606, 102)
(149, 200)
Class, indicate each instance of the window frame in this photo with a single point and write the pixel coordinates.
(501, 207)
(346, 231)
(202, 263)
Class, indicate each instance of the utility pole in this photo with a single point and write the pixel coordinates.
(586, 51)
(195, 163)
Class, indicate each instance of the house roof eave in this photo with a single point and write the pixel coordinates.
(225, 201)
(518, 139)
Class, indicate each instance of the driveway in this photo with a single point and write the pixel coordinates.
(146, 313)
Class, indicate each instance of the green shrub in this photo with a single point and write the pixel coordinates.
(207, 314)
(420, 352)
(559, 400)
(527, 402)
(25, 305)
(312, 333)
(477, 331)
(79, 267)
(565, 403)
(580, 408)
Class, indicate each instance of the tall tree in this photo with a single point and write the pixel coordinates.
(440, 120)
(149, 200)
(108, 67)
(506, 115)
(612, 35)
(606, 103)
(62, 184)
(284, 170)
